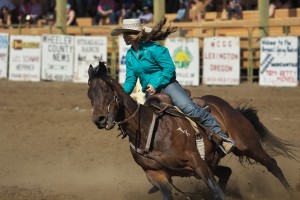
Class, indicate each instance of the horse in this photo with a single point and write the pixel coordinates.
(164, 145)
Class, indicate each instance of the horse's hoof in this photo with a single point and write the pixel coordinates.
(153, 190)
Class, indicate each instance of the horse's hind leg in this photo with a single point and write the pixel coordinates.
(270, 163)
(223, 173)
(160, 180)
(205, 173)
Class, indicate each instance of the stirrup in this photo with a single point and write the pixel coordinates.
(226, 138)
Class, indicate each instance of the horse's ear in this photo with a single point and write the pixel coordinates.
(91, 70)
(102, 68)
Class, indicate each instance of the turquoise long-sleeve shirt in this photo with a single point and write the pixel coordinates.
(153, 66)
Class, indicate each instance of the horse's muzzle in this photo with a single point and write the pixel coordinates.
(106, 121)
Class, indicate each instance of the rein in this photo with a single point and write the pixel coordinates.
(131, 117)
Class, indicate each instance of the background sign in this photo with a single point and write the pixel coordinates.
(89, 50)
(278, 61)
(221, 61)
(123, 48)
(25, 58)
(185, 55)
(3, 55)
(58, 57)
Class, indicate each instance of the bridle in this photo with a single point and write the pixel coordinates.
(118, 102)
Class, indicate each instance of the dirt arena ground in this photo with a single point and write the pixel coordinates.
(51, 150)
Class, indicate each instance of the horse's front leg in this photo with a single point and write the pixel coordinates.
(203, 171)
(160, 180)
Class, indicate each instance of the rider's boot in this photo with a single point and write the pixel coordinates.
(228, 143)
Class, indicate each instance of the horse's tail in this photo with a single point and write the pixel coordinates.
(272, 144)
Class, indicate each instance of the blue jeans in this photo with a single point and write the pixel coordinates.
(187, 106)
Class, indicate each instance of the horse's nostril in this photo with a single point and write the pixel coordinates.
(99, 120)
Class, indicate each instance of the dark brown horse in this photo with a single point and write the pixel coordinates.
(164, 145)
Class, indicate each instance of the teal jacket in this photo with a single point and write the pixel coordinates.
(153, 66)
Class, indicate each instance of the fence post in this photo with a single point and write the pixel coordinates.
(159, 10)
(114, 57)
(263, 7)
(250, 55)
(61, 22)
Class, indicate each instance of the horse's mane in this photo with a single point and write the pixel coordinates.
(100, 71)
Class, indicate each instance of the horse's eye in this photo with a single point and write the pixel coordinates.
(92, 103)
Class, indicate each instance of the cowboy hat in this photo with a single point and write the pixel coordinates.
(130, 25)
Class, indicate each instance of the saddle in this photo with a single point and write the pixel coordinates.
(163, 104)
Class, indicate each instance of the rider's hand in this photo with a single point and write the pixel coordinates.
(150, 90)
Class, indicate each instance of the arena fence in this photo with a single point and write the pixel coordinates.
(248, 32)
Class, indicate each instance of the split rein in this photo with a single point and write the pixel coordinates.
(116, 99)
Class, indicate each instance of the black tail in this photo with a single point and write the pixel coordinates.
(272, 144)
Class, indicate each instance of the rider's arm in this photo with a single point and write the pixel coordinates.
(162, 57)
(130, 79)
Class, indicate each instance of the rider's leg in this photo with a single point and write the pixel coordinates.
(185, 104)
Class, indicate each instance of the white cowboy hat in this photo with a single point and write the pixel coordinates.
(130, 25)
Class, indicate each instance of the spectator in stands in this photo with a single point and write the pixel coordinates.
(8, 4)
(84, 8)
(12, 10)
(130, 9)
(181, 13)
(71, 15)
(234, 8)
(132, 12)
(106, 8)
(275, 4)
(30, 11)
(197, 10)
(146, 16)
(50, 16)
(148, 3)
(5, 17)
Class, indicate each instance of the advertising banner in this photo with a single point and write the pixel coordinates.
(3, 54)
(185, 55)
(89, 50)
(58, 57)
(278, 61)
(123, 48)
(221, 61)
(25, 58)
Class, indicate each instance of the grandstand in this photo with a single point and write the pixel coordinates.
(285, 23)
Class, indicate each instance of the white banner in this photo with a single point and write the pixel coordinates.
(58, 57)
(123, 48)
(221, 61)
(89, 50)
(278, 61)
(185, 55)
(3, 54)
(25, 58)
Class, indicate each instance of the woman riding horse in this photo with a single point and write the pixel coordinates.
(152, 64)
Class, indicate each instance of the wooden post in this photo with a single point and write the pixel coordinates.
(224, 10)
(61, 16)
(159, 8)
(263, 11)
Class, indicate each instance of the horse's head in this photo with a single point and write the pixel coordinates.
(103, 97)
